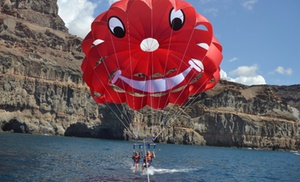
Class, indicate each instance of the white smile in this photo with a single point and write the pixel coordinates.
(160, 84)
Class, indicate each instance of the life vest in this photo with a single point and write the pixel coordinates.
(148, 157)
(136, 158)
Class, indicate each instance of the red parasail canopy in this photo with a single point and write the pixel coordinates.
(150, 52)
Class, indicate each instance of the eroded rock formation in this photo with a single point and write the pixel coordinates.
(42, 92)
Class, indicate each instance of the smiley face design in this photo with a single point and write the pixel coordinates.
(150, 52)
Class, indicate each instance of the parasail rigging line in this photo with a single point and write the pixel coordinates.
(177, 113)
(119, 110)
(126, 122)
(170, 75)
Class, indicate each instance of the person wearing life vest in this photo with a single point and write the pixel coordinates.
(136, 160)
(148, 160)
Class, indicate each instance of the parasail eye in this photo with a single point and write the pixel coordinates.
(176, 19)
(116, 27)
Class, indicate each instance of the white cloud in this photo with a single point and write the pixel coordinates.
(112, 1)
(223, 75)
(283, 71)
(77, 15)
(247, 71)
(254, 80)
(233, 59)
(249, 4)
(245, 75)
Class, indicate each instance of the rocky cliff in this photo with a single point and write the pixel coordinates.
(42, 92)
(41, 86)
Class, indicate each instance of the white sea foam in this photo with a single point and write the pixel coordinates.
(173, 170)
(152, 170)
(296, 152)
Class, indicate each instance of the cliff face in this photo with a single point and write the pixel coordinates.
(41, 86)
(42, 92)
(229, 115)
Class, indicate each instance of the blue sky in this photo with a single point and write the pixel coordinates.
(260, 38)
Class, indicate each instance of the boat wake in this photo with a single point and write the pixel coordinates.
(163, 171)
(151, 171)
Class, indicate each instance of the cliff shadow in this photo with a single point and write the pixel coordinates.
(82, 130)
(15, 126)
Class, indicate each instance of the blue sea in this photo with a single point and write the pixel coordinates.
(40, 158)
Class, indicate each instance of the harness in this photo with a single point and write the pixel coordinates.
(136, 158)
(148, 157)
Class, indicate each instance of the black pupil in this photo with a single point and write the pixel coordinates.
(176, 24)
(119, 32)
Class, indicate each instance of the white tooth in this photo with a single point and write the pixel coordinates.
(97, 42)
(156, 85)
(204, 45)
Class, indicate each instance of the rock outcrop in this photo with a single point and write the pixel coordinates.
(231, 115)
(42, 92)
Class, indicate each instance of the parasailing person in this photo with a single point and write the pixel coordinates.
(148, 160)
(136, 160)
